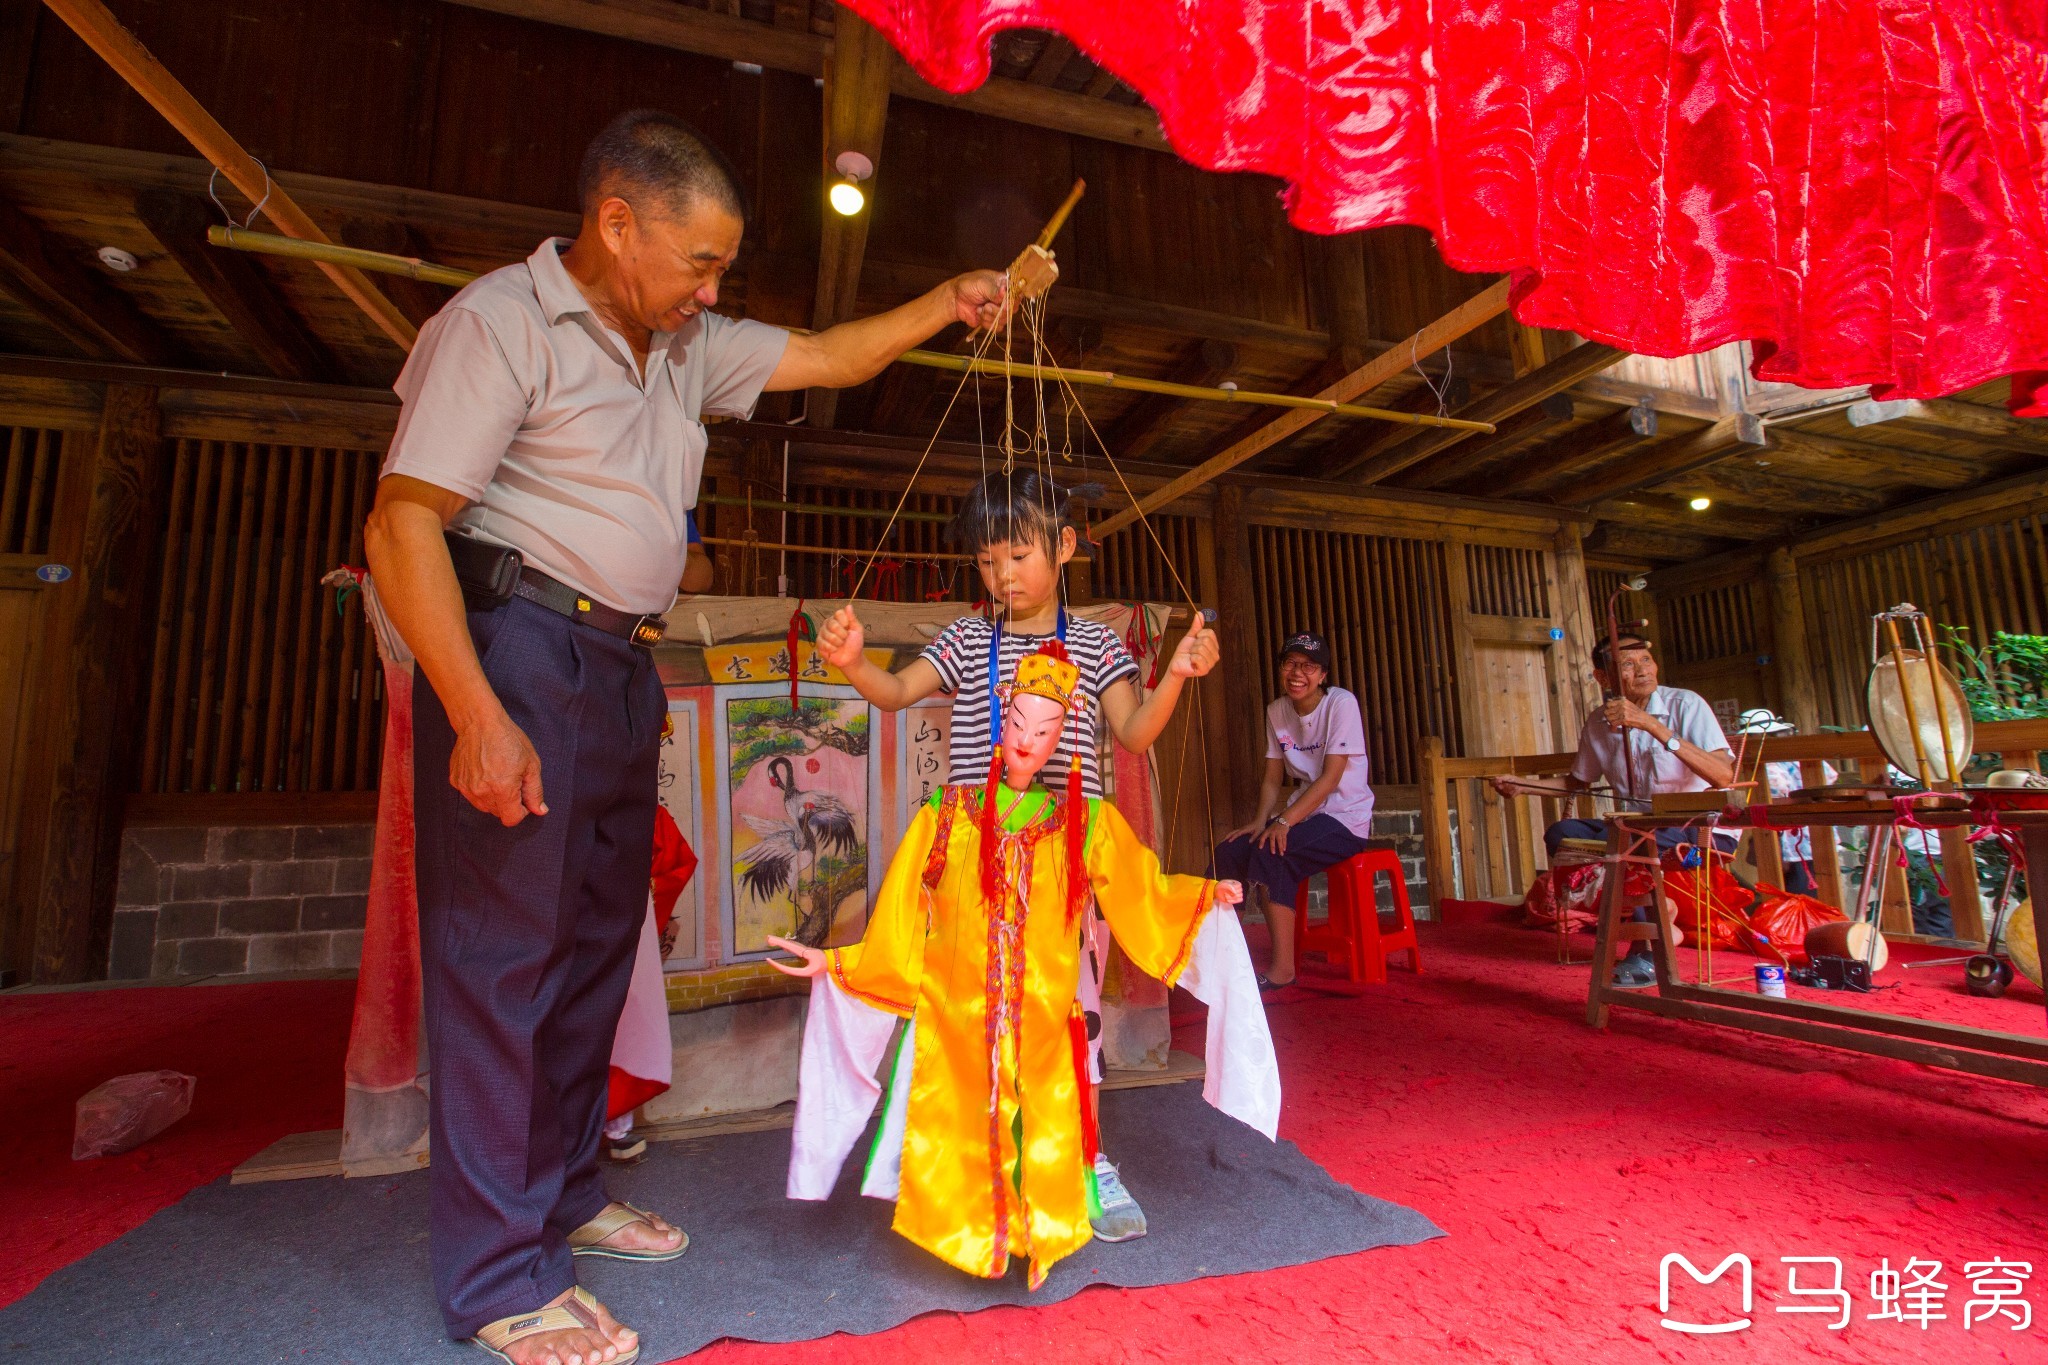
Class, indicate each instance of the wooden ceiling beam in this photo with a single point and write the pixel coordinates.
(85, 309)
(664, 23)
(236, 287)
(1639, 543)
(1590, 444)
(1466, 458)
(1205, 363)
(1841, 461)
(1666, 461)
(1051, 60)
(119, 48)
(1948, 417)
(1747, 486)
(1472, 313)
(1666, 513)
(856, 111)
(1397, 451)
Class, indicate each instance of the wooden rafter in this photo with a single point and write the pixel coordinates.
(1949, 417)
(86, 310)
(1598, 440)
(1473, 313)
(235, 285)
(1398, 450)
(1467, 457)
(120, 49)
(1745, 485)
(1669, 460)
(856, 110)
(664, 23)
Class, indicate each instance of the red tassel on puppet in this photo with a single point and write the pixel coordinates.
(991, 850)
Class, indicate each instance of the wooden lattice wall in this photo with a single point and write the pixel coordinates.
(1382, 603)
(1983, 579)
(258, 683)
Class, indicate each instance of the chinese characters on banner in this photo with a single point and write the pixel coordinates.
(927, 741)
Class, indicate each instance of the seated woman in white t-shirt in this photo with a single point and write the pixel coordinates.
(1315, 734)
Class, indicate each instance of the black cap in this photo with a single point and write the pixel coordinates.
(1310, 646)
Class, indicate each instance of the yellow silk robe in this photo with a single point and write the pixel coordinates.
(992, 1154)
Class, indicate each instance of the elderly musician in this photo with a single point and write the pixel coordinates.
(1680, 749)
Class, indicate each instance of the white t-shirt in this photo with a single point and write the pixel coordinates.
(1688, 716)
(1334, 727)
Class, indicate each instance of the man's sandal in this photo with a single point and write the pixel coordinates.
(588, 1239)
(578, 1310)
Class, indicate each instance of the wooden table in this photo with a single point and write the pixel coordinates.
(1631, 842)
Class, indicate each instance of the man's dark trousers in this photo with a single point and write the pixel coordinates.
(526, 947)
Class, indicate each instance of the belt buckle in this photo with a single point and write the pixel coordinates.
(648, 631)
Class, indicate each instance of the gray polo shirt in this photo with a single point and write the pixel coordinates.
(1607, 752)
(519, 399)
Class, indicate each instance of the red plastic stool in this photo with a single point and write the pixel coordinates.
(1353, 934)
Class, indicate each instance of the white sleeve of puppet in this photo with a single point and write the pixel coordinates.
(1240, 1076)
(844, 1043)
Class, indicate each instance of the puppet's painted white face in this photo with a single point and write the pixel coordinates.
(1031, 731)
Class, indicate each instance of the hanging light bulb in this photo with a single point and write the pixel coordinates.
(845, 194)
(1700, 504)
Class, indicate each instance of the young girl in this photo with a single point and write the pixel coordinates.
(1019, 529)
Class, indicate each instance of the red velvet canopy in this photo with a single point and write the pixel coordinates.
(1858, 187)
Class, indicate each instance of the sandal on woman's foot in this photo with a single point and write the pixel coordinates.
(1268, 987)
(579, 1310)
(588, 1240)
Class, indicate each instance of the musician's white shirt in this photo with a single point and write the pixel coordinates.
(1690, 718)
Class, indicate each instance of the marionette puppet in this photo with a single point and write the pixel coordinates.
(988, 1139)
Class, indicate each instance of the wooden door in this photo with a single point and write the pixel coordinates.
(1511, 699)
(21, 613)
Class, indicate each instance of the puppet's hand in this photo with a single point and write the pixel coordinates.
(841, 640)
(813, 959)
(1230, 893)
(1197, 653)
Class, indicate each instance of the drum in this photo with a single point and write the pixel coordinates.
(1851, 939)
(1936, 703)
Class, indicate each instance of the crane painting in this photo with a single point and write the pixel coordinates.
(798, 787)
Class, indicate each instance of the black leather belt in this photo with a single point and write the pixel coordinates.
(563, 600)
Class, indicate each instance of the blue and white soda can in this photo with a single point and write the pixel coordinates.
(1770, 979)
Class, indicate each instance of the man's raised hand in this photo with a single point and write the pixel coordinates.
(841, 640)
(813, 960)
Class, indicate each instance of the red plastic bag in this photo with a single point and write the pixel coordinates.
(1784, 918)
(1572, 892)
(1728, 900)
(128, 1111)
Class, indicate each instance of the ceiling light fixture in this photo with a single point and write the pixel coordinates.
(845, 194)
(117, 260)
(1700, 504)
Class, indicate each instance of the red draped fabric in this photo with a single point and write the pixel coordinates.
(1858, 187)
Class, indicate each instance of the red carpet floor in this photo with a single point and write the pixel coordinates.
(1563, 1163)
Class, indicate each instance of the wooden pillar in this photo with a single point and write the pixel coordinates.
(1238, 638)
(1789, 656)
(1436, 827)
(1572, 669)
(98, 652)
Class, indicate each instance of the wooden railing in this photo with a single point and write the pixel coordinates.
(1483, 846)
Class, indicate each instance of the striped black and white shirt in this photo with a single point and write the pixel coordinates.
(960, 654)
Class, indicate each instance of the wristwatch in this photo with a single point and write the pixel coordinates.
(1276, 820)
(1673, 743)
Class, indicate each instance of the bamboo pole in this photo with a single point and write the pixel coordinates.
(326, 253)
(908, 556)
(1059, 217)
(119, 48)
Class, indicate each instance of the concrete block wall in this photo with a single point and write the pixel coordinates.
(211, 901)
(1404, 827)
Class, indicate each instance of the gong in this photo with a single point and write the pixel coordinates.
(1912, 695)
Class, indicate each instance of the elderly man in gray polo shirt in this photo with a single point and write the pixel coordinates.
(552, 427)
(1643, 739)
